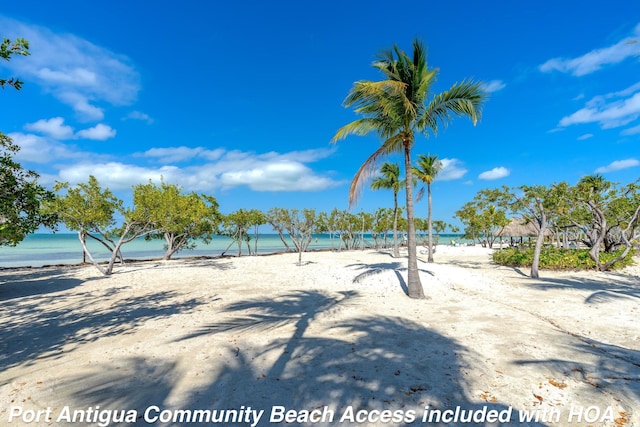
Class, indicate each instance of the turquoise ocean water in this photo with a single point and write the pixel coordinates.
(38, 250)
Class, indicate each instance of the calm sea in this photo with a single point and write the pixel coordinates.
(38, 250)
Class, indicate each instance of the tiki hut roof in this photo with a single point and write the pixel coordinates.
(519, 227)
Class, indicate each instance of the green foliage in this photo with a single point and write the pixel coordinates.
(552, 258)
(300, 225)
(176, 217)
(8, 48)
(237, 225)
(92, 211)
(21, 198)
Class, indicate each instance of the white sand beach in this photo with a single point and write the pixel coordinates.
(168, 340)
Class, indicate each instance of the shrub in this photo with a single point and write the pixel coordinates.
(552, 258)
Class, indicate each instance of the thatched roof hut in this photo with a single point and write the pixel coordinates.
(519, 227)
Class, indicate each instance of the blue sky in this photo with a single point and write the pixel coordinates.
(240, 101)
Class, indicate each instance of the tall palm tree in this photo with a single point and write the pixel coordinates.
(426, 170)
(390, 180)
(396, 109)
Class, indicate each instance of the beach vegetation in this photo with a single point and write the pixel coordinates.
(608, 214)
(97, 214)
(21, 197)
(535, 205)
(426, 170)
(178, 218)
(237, 225)
(485, 216)
(299, 224)
(597, 214)
(389, 179)
(396, 109)
(553, 258)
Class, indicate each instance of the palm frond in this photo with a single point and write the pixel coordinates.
(462, 99)
(369, 167)
(365, 126)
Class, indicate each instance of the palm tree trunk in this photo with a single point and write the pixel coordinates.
(396, 251)
(413, 276)
(430, 225)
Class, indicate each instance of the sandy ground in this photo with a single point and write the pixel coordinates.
(333, 342)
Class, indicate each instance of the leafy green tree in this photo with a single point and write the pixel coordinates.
(21, 197)
(300, 225)
(384, 220)
(389, 179)
(178, 218)
(485, 216)
(8, 48)
(236, 225)
(535, 204)
(397, 109)
(426, 170)
(277, 218)
(92, 211)
(611, 209)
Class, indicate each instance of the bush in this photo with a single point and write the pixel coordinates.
(552, 258)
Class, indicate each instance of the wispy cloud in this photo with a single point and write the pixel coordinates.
(78, 73)
(618, 165)
(631, 131)
(139, 115)
(494, 86)
(56, 129)
(451, 169)
(596, 59)
(495, 173)
(585, 136)
(609, 111)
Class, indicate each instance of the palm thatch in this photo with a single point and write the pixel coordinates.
(520, 227)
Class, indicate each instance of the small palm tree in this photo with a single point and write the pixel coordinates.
(396, 109)
(390, 180)
(426, 171)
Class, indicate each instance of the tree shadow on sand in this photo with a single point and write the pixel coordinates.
(371, 270)
(45, 326)
(613, 369)
(611, 288)
(310, 359)
(21, 283)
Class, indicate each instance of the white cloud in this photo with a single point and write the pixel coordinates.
(608, 111)
(53, 127)
(77, 72)
(220, 170)
(99, 132)
(451, 169)
(56, 129)
(494, 86)
(618, 165)
(39, 149)
(596, 59)
(495, 173)
(585, 136)
(277, 176)
(116, 175)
